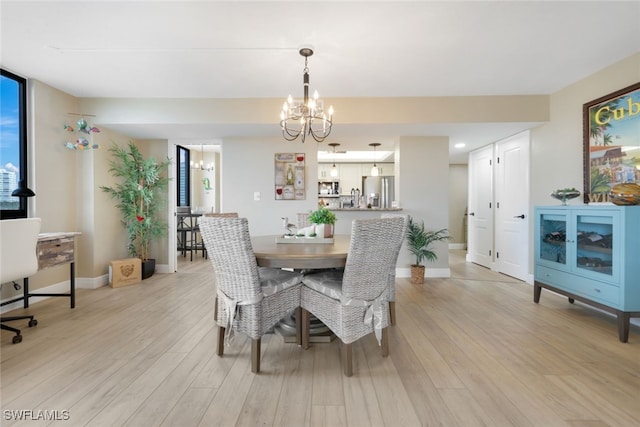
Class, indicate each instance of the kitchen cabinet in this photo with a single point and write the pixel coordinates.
(350, 177)
(324, 171)
(384, 169)
(350, 174)
(590, 254)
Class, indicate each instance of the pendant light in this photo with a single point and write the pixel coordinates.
(374, 168)
(334, 169)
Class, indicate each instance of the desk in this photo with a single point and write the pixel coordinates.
(303, 256)
(55, 249)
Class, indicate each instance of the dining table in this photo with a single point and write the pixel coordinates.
(301, 255)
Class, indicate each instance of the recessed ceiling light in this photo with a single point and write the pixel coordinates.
(460, 145)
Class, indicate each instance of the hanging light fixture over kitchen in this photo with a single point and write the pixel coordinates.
(301, 117)
(200, 165)
(334, 169)
(374, 168)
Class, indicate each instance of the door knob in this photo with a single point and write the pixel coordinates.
(472, 214)
(519, 216)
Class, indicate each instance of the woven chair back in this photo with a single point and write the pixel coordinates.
(221, 214)
(229, 248)
(405, 217)
(373, 253)
(302, 220)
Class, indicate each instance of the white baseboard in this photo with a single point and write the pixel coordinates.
(429, 272)
(163, 269)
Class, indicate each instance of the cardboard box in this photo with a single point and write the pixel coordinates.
(125, 272)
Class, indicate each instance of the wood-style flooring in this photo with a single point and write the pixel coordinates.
(471, 350)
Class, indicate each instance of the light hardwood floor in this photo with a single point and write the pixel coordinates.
(472, 350)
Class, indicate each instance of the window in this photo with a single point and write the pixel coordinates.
(184, 176)
(13, 143)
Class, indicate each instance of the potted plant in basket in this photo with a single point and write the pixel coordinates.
(139, 197)
(324, 220)
(419, 241)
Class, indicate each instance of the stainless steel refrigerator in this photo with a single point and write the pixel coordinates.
(378, 191)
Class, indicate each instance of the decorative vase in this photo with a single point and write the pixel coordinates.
(417, 274)
(148, 268)
(324, 230)
(625, 194)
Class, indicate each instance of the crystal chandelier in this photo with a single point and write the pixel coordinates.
(301, 117)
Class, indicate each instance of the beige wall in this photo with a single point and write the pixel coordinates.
(66, 182)
(458, 184)
(557, 146)
(422, 165)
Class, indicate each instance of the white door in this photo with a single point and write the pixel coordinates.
(512, 206)
(480, 210)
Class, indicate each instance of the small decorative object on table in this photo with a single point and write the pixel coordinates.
(324, 220)
(288, 228)
(565, 194)
(625, 194)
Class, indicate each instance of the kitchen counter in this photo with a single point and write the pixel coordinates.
(345, 216)
(365, 209)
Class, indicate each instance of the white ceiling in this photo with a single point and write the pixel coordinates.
(242, 49)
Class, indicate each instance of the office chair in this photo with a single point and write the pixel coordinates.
(19, 260)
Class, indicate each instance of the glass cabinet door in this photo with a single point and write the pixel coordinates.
(595, 244)
(553, 237)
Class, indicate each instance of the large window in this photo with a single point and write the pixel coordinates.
(13, 143)
(184, 176)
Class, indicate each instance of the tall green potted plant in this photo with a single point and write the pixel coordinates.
(419, 243)
(140, 195)
(324, 220)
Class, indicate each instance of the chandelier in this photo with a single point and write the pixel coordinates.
(200, 165)
(300, 118)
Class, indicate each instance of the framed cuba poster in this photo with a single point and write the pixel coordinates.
(611, 142)
(289, 176)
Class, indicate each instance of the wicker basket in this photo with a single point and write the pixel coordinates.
(417, 274)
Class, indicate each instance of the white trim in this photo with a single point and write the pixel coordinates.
(457, 246)
(429, 272)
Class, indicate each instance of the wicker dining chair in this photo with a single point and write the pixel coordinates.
(221, 214)
(216, 215)
(354, 302)
(392, 275)
(249, 299)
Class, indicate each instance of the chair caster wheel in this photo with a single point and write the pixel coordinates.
(17, 339)
(33, 323)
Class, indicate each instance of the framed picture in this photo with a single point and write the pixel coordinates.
(611, 142)
(289, 176)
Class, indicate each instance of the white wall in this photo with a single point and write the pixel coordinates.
(247, 166)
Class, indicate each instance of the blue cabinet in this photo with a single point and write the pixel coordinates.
(590, 254)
